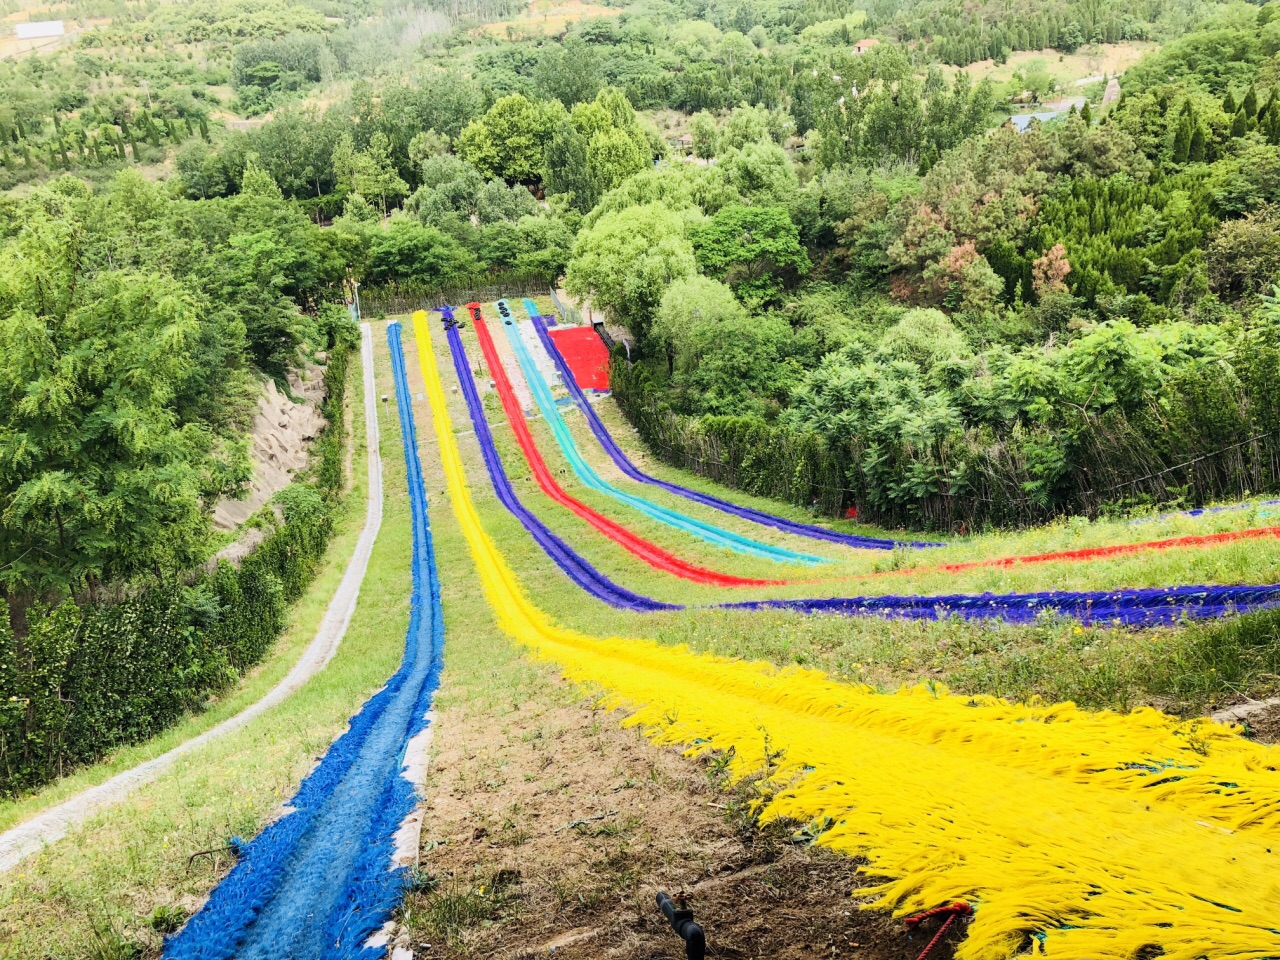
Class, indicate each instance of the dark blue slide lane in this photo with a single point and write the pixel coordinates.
(320, 881)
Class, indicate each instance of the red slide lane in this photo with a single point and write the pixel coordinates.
(1118, 550)
(655, 556)
(650, 553)
(1084, 553)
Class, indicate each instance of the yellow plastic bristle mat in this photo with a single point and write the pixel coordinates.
(1074, 834)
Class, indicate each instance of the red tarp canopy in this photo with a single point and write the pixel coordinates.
(586, 355)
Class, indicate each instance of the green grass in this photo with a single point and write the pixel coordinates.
(97, 893)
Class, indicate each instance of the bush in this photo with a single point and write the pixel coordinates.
(88, 677)
(766, 460)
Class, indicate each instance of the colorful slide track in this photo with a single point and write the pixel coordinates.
(1139, 607)
(652, 554)
(588, 475)
(660, 559)
(321, 880)
(747, 513)
(566, 558)
(1150, 835)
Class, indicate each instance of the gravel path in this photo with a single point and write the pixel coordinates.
(56, 822)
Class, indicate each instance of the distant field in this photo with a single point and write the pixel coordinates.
(1092, 62)
(544, 17)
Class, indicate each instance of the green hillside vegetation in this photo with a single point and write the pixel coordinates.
(922, 315)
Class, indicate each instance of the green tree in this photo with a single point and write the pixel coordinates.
(508, 141)
(756, 250)
(496, 201)
(374, 175)
(692, 313)
(761, 173)
(426, 145)
(569, 72)
(624, 262)
(723, 359)
(612, 156)
(567, 172)
(100, 475)
(706, 135)
(202, 171)
(1182, 140)
(1196, 152)
(255, 181)
(343, 161)
(408, 252)
(745, 125)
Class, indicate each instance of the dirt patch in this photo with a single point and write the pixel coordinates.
(551, 829)
(279, 443)
(1090, 62)
(548, 18)
(1263, 724)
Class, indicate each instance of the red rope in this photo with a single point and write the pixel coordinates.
(954, 910)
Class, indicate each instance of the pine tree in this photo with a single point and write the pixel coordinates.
(1229, 104)
(1240, 125)
(1182, 140)
(1197, 149)
(1086, 114)
(1251, 102)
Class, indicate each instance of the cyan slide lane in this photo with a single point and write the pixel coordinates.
(1136, 607)
(321, 880)
(566, 558)
(587, 474)
(631, 470)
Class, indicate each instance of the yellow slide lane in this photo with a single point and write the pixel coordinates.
(1093, 834)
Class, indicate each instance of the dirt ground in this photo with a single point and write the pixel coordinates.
(1264, 726)
(1090, 61)
(551, 830)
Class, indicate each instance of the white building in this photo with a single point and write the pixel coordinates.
(39, 29)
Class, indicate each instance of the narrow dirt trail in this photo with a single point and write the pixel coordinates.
(53, 824)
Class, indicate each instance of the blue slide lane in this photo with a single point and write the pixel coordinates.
(587, 474)
(566, 558)
(318, 882)
(631, 470)
(1137, 607)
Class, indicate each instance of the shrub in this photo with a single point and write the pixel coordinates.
(85, 678)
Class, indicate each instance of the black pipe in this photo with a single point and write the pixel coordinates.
(681, 920)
